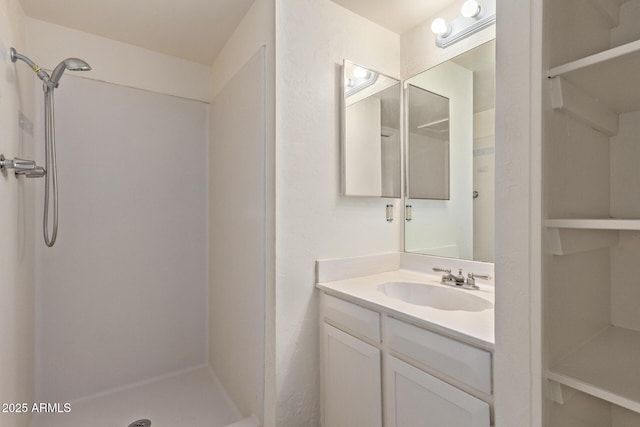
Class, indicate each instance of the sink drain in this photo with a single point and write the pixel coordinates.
(140, 423)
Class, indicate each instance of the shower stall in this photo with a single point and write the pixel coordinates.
(150, 306)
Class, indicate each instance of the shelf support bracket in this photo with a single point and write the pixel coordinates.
(569, 99)
(559, 393)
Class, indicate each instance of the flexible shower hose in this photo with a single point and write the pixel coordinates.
(51, 178)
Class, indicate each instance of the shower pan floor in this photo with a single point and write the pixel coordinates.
(194, 398)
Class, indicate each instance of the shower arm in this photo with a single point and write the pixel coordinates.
(42, 75)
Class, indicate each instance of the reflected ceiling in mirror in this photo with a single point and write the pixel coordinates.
(371, 139)
(460, 225)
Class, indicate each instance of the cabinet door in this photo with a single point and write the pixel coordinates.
(351, 381)
(414, 398)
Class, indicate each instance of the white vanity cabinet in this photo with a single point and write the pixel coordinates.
(351, 381)
(373, 364)
(414, 398)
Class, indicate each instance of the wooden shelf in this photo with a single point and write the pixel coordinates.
(595, 224)
(607, 367)
(612, 77)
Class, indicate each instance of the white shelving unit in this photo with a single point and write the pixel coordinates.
(579, 89)
(606, 367)
(592, 329)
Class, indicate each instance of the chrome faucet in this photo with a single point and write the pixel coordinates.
(458, 280)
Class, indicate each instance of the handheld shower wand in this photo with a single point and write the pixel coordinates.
(49, 83)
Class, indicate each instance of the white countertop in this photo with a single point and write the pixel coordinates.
(476, 328)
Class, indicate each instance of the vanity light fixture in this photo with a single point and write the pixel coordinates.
(440, 27)
(471, 9)
(360, 73)
(474, 17)
(357, 78)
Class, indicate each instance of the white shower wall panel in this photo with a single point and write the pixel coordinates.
(121, 297)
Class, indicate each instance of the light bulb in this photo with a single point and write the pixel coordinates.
(360, 73)
(471, 9)
(440, 27)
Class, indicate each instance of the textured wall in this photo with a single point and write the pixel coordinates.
(122, 295)
(16, 221)
(313, 220)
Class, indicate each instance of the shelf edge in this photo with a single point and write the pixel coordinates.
(597, 58)
(595, 224)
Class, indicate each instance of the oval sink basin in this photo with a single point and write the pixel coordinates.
(438, 297)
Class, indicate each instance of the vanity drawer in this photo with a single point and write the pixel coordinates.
(351, 317)
(457, 360)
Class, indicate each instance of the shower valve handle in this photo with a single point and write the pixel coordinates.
(17, 164)
(24, 167)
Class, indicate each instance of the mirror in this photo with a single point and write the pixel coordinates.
(427, 144)
(450, 142)
(371, 139)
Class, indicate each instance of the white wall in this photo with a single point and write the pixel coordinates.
(121, 297)
(237, 236)
(440, 224)
(118, 62)
(313, 220)
(16, 219)
(256, 30)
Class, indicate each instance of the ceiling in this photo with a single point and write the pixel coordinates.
(195, 30)
(398, 16)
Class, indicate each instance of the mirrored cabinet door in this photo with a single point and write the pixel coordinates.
(371, 138)
(450, 141)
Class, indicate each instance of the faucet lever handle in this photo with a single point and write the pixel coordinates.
(479, 276)
(441, 270)
(471, 279)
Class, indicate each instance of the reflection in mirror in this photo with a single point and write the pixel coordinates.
(428, 144)
(461, 226)
(371, 142)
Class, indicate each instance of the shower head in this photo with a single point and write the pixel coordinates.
(71, 64)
